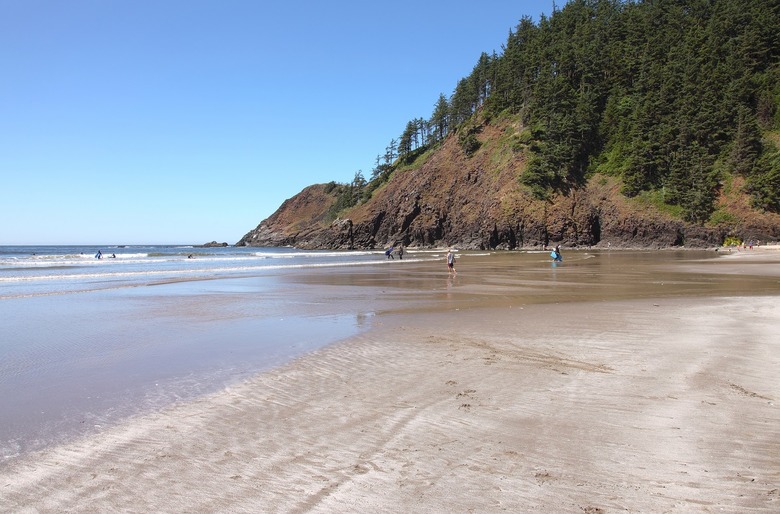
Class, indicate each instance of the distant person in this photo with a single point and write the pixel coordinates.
(556, 254)
(99, 255)
(451, 263)
(401, 252)
(389, 253)
(113, 256)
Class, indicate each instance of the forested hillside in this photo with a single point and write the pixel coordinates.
(669, 95)
(675, 101)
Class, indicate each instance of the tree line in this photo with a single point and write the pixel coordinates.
(671, 96)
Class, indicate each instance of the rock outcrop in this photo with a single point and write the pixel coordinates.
(477, 202)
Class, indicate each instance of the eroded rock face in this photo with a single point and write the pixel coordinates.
(471, 203)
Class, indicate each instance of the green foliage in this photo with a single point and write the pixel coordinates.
(764, 183)
(343, 200)
(440, 119)
(720, 217)
(469, 144)
(613, 162)
(411, 157)
(654, 93)
(504, 149)
(468, 141)
(667, 96)
(691, 182)
(525, 137)
(747, 143)
(656, 198)
(537, 179)
(732, 241)
(347, 195)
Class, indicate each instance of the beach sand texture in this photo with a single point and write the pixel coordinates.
(664, 404)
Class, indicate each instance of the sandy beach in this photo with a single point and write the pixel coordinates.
(651, 404)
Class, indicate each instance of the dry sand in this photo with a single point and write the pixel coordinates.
(651, 405)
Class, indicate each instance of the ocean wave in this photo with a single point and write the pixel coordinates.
(42, 271)
(207, 272)
(79, 257)
(315, 254)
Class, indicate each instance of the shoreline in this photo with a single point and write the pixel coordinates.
(650, 404)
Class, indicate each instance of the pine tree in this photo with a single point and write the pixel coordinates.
(440, 118)
(747, 143)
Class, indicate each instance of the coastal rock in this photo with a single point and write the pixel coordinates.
(471, 203)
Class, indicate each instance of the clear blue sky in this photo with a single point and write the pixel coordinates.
(186, 121)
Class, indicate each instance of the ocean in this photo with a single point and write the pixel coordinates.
(52, 270)
(87, 341)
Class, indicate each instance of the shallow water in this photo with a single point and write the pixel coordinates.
(485, 280)
(71, 364)
(87, 348)
(87, 341)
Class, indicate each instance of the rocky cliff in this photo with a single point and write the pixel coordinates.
(476, 202)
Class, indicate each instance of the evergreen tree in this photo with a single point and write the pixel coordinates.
(747, 143)
(405, 145)
(391, 151)
(440, 119)
(764, 183)
(463, 102)
(654, 92)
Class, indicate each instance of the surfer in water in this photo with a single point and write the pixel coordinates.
(556, 254)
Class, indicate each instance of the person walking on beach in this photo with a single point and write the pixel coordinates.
(401, 252)
(389, 253)
(451, 263)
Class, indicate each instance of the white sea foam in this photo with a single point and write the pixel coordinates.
(190, 271)
(51, 271)
(316, 254)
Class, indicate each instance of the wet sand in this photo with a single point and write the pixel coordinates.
(660, 400)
